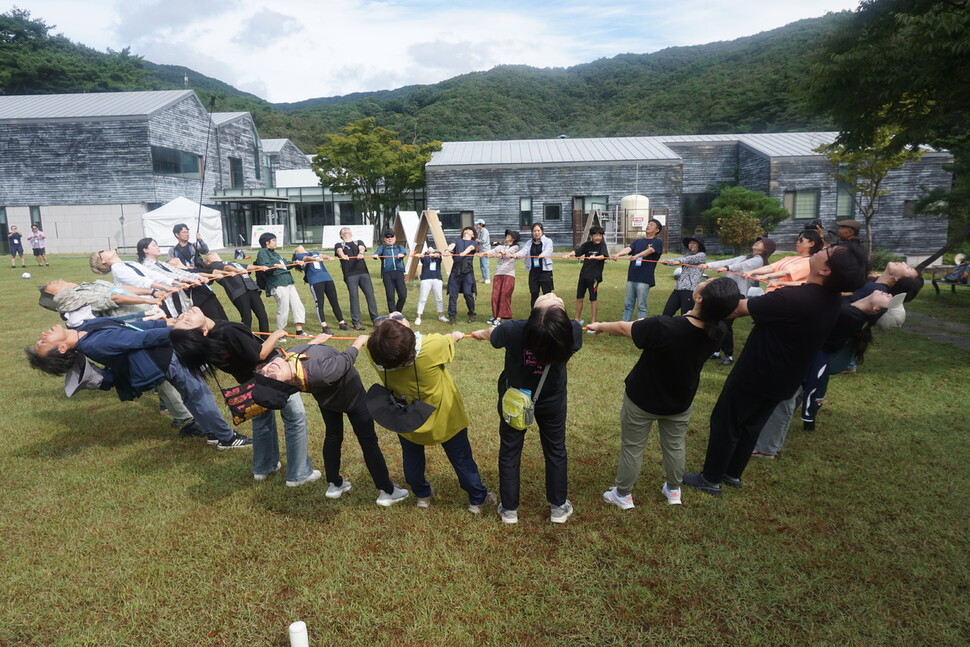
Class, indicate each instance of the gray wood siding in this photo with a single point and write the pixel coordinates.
(754, 170)
(183, 127)
(236, 139)
(289, 158)
(893, 231)
(707, 164)
(75, 163)
(493, 193)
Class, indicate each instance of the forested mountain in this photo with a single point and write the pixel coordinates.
(746, 85)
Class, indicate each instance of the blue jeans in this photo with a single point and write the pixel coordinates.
(636, 293)
(459, 452)
(198, 400)
(266, 443)
(484, 264)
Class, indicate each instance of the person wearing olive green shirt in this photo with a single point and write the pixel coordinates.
(279, 283)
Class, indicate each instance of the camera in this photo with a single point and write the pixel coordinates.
(815, 224)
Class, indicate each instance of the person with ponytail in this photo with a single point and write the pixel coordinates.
(663, 382)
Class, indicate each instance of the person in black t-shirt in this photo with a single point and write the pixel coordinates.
(595, 252)
(356, 276)
(547, 340)
(790, 326)
(462, 277)
(663, 382)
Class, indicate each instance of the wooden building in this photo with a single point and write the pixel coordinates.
(511, 184)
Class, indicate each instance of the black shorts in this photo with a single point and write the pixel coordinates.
(587, 285)
(16, 251)
(40, 251)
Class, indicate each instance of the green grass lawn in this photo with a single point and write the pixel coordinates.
(115, 532)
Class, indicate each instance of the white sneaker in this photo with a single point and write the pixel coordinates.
(423, 502)
(442, 319)
(617, 499)
(582, 322)
(387, 500)
(560, 513)
(673, 496)
(263, 477)
(417, 321)
(487, 281)
(336, 491)
(508, 516)
(314, 476)
(477, 508)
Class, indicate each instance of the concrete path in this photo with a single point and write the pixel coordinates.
(941, 330)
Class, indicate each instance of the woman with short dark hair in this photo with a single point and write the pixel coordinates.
(536, 350)
(538, 262)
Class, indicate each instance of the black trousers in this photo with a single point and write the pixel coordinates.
(363, 426)
(736, 422)
(207, 301)
(539, 280)
(461, 284)
(727, 344)
(682, 300)
(251, 302)
(321, 289)
(394, 283)
(551, 419)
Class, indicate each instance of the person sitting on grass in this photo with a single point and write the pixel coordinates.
(537, 347)
(136, 359)
(663, 382)
(594, 252)
(415, 366)
(331, 378)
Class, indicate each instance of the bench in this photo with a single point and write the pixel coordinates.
(938, 278)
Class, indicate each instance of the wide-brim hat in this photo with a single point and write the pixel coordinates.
(46, 300)
(895, 314)
(700, 241)
(270, 393)
(83, 375)
(851, 224)
(514, 234)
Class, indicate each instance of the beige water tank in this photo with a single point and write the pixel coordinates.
(636, 212)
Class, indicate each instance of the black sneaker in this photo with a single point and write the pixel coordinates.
(698, 482)
(715, 355)
(730, 481)
(237, 441)
(451, 320)
(212, 439)
(471, 318)
(344, 326)
(359, 326)
(727, 361)
(191, 430)
(808, 426)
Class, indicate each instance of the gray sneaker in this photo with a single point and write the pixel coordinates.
(336, 491)
(313, 476)
(561, 512)
(477, 508)
(386, 500)
(508, 516)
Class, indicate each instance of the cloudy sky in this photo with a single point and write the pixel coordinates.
(292, 50)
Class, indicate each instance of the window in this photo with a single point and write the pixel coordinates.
(597, 202)
(802, 204)
(256, 154)
(168, 161)
(844, 204)
(450, 219)
(35, 218)
(525, 213)
(551, 212)
(236, 178)
(692, 205)
(909, 208)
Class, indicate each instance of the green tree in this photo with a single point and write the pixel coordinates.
(368, 163)
(901, 65)
(862, 171)
(740, 215)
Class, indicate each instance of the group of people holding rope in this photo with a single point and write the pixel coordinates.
(159, 326)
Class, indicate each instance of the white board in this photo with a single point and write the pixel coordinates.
(331, 235)
(409, 222)
(259, 230)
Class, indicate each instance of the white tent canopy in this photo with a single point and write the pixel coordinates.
(158, 223)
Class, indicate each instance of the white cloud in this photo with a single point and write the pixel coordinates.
(292, 50)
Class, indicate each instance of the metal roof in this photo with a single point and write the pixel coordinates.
(547, 152)
(95, 106)
(223, 118)
(273, 145)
